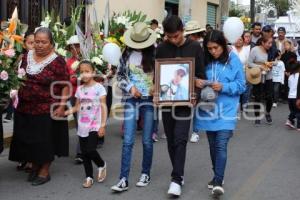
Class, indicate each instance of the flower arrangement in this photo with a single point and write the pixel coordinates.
(11, 41)
(119, 23)
(62, 32)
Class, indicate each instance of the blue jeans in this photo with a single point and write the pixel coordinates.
(134, 107)
(156, 121)
(218, 141)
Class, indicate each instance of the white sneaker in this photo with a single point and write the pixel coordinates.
(143, 181)
(163, 136)
(174, 189)
(101, 173)
(289, 124)
(274, 105)
(182, 182)
(218, 191)
(195, 138)
(121, 186)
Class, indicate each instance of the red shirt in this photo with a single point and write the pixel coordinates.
(73, 78)
(35, 95)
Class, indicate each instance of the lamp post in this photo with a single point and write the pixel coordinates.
(252, 10)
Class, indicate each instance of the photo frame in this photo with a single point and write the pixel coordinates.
(174, 81)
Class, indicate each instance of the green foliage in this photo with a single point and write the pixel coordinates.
(281, 6)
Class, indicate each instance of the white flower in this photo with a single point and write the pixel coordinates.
(123, 20)
(97, 61)
(13, 93)
(21, 73)
(4, 75)
(61, 52)
(128, 25)
(55, 28)
(64, 31)
(46, 22)
(74, 66)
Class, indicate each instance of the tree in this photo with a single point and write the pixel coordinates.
(235, 11)
(281, 6)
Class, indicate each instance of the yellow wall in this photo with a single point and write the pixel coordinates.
(154, 8)
(199, 11)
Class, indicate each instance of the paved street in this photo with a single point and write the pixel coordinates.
(263, 165)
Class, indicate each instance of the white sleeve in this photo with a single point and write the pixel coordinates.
(102, 90)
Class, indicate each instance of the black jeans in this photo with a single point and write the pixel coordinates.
(276, 91)
(177, 132)
(285, 89)
(263, 92)
(294, 112)
(88, 147)
(109, 99)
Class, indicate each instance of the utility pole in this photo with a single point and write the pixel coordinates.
(252, 10)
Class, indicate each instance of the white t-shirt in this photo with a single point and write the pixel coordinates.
(243, 54)
(293, 83)
(89, 115)
(278, 72)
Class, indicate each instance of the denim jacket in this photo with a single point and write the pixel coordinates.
(130, 75)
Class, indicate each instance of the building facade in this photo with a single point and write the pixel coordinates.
(30, 11)
(204, 11)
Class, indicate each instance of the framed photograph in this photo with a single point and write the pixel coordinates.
(174, 81)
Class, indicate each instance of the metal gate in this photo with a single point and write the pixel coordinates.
(30, 11)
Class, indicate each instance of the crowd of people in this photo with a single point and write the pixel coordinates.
(256, 70)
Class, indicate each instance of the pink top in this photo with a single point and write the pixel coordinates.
(89, 115)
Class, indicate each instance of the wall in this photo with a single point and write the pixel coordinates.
(153, 8)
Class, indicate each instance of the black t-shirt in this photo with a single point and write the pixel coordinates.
(188, 49)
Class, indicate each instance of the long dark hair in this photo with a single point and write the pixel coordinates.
(148, 58)
(219, 38)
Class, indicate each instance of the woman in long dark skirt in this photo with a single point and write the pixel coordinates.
(38, 135)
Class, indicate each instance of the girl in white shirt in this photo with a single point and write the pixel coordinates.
(294, 111)
(278, 71)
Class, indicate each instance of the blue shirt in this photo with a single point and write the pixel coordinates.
(224, 116)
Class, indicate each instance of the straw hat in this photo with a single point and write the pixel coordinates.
(193, 27)
(139, 36)
(253, 75)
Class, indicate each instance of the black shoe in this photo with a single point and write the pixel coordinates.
(78, 159)
(269, 119)
(257, 122)
(121, 186)
(100, 142)
(211, 184)
(32, 176)
(21, 166)
(40, 180)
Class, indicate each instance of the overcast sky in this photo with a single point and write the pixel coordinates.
(245, 2)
